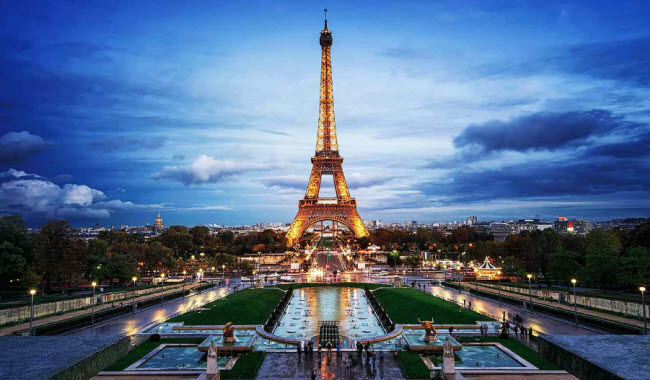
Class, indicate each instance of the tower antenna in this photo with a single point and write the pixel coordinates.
(325, 18)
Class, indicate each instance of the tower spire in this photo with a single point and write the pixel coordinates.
(325, 18)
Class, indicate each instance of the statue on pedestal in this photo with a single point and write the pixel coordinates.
(431, 335)
(229, 333)
(448, 365)
(397, 282)
(212, 370)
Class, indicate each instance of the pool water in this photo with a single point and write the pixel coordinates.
(180, 357)
(309, 306)
(485, 356)
(415, 337)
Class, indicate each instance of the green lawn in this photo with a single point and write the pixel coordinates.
(144, 348)
(518, 348)
(246, 366)
(412, 365)
(336, 284)
(406, 305)
(246, 307)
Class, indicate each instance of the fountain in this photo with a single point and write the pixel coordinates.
(430, 335)
(229, 333)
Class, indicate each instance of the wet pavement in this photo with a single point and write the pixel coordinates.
(292, 366)
(132, 323)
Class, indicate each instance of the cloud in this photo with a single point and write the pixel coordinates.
(178, 157)
(354, 181)
(17, 147)
(128, 144)
(543, 130)
(38, 199)
(207, 169)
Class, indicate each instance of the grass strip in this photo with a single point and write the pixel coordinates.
(412, 365)
(406, 305)
(246, 366)
(246, 307)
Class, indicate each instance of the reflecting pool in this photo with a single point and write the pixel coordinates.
(180, 357)
(309, 306)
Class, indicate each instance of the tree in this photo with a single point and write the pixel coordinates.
(413, 260)
(12, 265)
(510, 267)
(59, 256)
(178, 239)
(121, 267)
(159, 258)
(199, 235)
(602, 258)
(564, 265)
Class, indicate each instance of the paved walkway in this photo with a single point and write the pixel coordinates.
(291, 366)
(594, 313)
(75, 313)
(541, 323)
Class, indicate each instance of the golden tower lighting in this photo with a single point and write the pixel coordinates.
(312, 208)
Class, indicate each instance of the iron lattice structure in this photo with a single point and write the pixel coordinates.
(312, 208)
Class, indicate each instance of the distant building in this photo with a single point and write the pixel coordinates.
(471, 220)
(582, 227)
(158, 224)
(501, 231)
(563, 225)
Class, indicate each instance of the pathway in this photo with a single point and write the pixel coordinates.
(594, 313)
(132, 323)
(541, 323)
(75, 313)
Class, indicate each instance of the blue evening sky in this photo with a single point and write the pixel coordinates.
(206, 110)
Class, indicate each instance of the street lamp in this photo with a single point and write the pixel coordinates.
(499, 278)
(200, 276)
(134, 279)
(92, 317)
(223, 268)
(162, 289)
(645, 322)
(575, 305)
(31, 311)
(530, 297)
(184, 273)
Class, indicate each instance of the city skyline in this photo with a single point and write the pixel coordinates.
(207, 113)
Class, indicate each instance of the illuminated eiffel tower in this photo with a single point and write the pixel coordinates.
(312, 208)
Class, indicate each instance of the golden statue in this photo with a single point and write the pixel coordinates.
(430, 332)
(229, 333)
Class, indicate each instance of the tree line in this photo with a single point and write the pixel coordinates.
(53, 257)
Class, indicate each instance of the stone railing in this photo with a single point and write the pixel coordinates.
(631, 308)
(21, 313)
(276, 314)
(383, 317)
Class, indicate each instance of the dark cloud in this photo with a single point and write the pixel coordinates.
(548, 179)
(544, 130)
(129, 144)
(275, 132)
(626, 60)
(638, 146)
(16, 147)
(178, 157)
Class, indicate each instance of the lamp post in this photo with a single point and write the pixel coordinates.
(200, 276)
(645, 322)
(575, 305)
(223, 269)
(530, 296)
(92, 317)
(31, 311)
(162, 289)
(134, 279)
(499, 278)
(184, 273)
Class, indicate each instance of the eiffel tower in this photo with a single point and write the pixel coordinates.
(312, 208)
